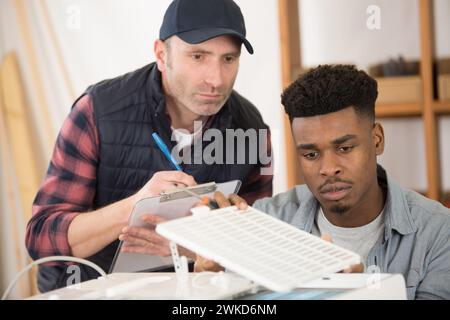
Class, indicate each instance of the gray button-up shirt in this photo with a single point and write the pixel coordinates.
(416, 240)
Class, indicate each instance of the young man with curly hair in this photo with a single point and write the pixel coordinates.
(347, 195)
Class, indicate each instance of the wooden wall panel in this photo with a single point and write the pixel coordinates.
(290, 62)
(429, 117)
(20, 137)
(11, 212)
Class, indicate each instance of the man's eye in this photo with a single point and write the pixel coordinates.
(197, 56)
(311, 155)
(229, 59)
(345, 149)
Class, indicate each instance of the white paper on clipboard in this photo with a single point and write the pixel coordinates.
(170, 206)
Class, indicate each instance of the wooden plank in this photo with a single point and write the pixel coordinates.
(441, 107)
(290, 39)
(429, 117)
(10, 196)
(20, 136)
(46, 125)
(19, 132)
(31, 56)
(398, 110)
(290, 61)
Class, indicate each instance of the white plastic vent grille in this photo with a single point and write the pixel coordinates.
(264, 249)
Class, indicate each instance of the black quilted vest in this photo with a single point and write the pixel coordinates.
(127, 110)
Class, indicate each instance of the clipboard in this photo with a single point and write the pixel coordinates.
(169, 205)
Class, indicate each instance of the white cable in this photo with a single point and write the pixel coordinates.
(51, 259)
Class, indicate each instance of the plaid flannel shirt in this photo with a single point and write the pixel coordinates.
(70, 184)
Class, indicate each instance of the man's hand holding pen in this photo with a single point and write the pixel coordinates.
(146, 240)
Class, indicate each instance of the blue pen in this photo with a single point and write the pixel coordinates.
(165, 151)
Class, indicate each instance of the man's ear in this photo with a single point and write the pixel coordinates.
(378, 138)
(160, 53)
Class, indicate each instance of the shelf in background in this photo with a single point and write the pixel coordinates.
(398, 110)
(441, 107)
(446, 199)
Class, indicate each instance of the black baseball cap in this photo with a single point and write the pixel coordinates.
(196, 21)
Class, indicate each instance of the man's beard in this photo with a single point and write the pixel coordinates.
(339, 209)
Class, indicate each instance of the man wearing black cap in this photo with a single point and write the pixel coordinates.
(105, 159)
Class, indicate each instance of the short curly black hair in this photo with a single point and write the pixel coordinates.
(330, 88)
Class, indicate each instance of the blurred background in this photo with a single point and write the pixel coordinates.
(51, 50)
